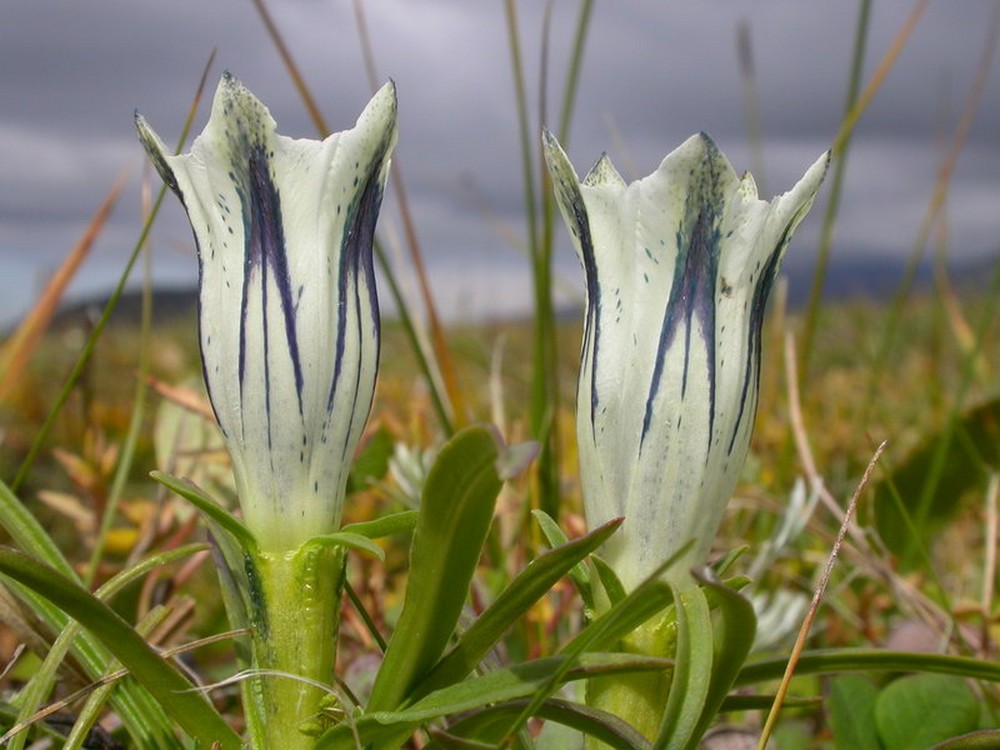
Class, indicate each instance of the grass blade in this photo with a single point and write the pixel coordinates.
(88, 348)
(178, 697)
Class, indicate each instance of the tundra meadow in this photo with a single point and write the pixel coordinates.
(686, 517)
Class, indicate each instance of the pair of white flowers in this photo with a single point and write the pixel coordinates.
(678, 270)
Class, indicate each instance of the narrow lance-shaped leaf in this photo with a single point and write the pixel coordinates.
(456, 511)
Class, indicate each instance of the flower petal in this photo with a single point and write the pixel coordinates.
(679, 266)
(288, 310)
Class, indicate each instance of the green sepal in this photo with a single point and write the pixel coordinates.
(394, 523)
(208, 507)
(691, 682)
(294, 600)
(348, 540)
(737, 582)
(732, 629)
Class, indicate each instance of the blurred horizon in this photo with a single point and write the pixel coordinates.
(651, 75)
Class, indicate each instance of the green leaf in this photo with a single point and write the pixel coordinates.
(456, 511)
(28, 534)
(915, 712)
(934, 476)
(733, 703)
(986, 739)
(350, 540)
(372, 462)
(172, 690)
(692, 680)
(215, 512)
(522, 593)
(141, 716)
(579, 574)
(851, 708)
(609, 580)
(394, 523)
(722, 566)
(824, 661)
(601, 725)
(44, 676)
(521, 682)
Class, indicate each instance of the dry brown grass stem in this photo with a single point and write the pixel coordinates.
(936, 212)
(861, 548)
(800, 641)
(879, 76)
(319, 122)
(442, 354)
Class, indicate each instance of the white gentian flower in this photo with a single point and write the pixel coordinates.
(678, 266)
(289, 322)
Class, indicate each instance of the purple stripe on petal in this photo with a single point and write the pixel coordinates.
(758, 307)
(692, 294)
(356, 259)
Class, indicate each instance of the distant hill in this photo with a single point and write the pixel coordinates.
(168, 304)
(854, 278)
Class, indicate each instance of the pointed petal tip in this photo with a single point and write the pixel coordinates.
(603, 173)
(156, 150)
(814, 176)
(148, 137)
(549, 141)
(229, 85)
(698, 149)
(700, 142)
(555, 157)
(380, 114)
(387, 92)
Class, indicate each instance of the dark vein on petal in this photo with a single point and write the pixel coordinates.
(758, 307)
(692, 292)
(356, 263)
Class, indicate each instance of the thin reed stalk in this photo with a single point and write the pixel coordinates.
(835, 191)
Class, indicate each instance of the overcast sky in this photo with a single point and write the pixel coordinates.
(72, 73)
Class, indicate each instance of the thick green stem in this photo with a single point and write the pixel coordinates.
(295, 598)
(640, 698)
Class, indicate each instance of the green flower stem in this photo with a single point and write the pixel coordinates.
(295, 598)
(639, 698)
